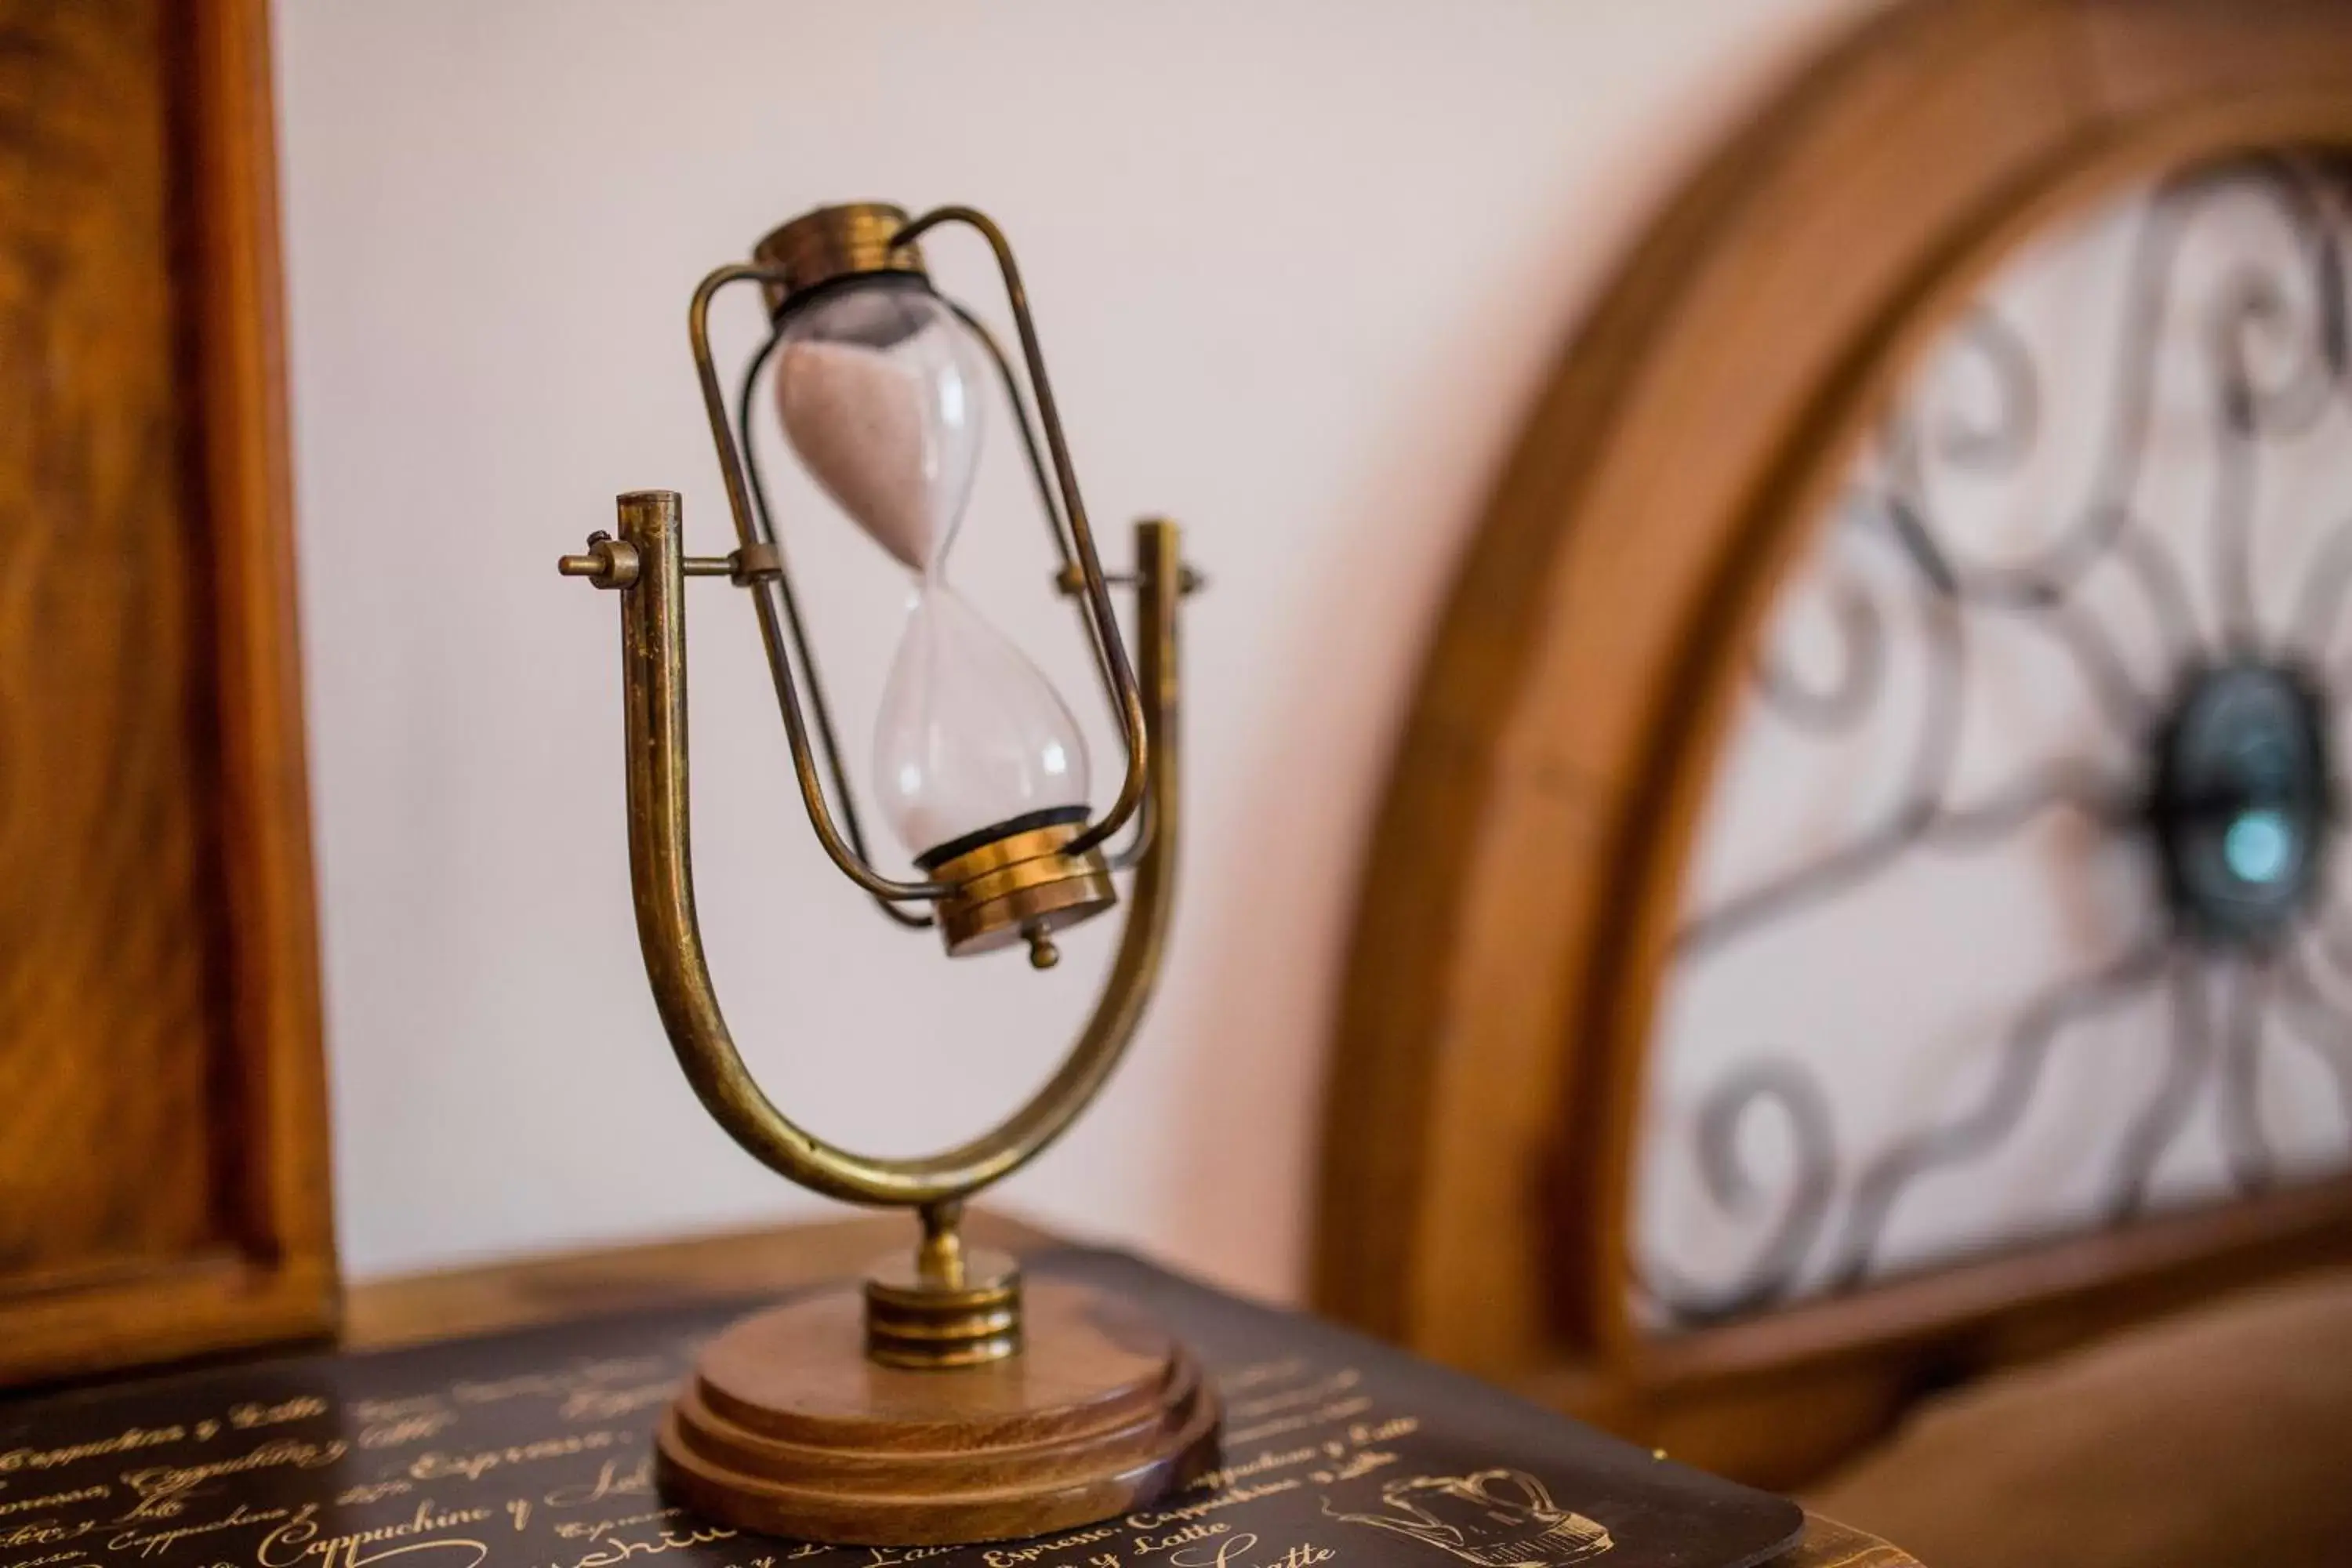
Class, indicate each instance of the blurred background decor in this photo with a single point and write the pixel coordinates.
(164, 1185)
(472, 191)
(1857, 914)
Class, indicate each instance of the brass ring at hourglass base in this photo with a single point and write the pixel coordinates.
(1019, 885)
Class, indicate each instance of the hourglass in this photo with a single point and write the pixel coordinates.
(880, 388)
(941, 1400)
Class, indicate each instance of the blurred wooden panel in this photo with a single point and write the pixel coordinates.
(1496, 1025)
(107, 844)
(158, 1036)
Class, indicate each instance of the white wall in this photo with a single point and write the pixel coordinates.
(1299, 270)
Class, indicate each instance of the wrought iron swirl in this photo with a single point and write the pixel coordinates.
(2230, 771)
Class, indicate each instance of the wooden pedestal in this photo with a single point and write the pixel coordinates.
(787, 1426)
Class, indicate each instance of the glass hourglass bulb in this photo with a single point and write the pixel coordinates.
(877, 386)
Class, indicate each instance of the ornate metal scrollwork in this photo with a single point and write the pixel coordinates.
(2226, 778)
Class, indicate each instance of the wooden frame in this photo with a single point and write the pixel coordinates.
(1530, 857)
(267, 1270)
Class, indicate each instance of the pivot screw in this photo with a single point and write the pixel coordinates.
(608, 562)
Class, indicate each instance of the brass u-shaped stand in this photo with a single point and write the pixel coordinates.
(941, 1402)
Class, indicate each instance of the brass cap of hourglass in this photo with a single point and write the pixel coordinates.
(942, 1400)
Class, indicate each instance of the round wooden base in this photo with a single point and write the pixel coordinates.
(787, 1427)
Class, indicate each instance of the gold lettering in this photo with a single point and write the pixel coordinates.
(153, 1543)
(594, 1530)
(1303, 1554)
(121, 1442)
(54, 1499)
(1291, 1398)
(611, 1404)
(76, 1558)
(1233, 1554)
(473, 1467)
(1221, 1500)
(621, 1550)
(44, 1532)
(1013, 1556)
(550, 1384)
(1216, 1480)
(611, 1481)
(1257, 1375)
(396, 1409)
(1321, 1416)
(1144, 1545)
(298, 1541)
(302, 1406)
(404, 1429)
(1363, 1462)
(1385, 1431)
(164, 1491)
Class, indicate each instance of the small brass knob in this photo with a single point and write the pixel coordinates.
(1071, 580)
(609, 563)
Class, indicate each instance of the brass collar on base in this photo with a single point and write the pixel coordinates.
(1020, 887)
(917, 1320)
(835, 242)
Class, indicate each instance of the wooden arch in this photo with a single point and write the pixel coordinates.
(1528, 861)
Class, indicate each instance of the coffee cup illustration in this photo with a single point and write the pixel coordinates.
(1495, 1518)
